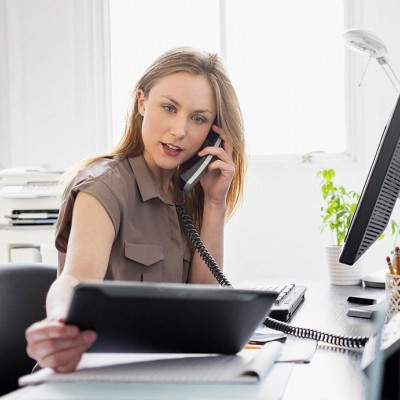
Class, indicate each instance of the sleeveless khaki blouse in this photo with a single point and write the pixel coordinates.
(148, 245)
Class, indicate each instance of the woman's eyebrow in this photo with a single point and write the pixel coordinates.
(178, 105)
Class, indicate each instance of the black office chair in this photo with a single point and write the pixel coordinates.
(23, 289)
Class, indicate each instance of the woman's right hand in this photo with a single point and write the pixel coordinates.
(56, 345)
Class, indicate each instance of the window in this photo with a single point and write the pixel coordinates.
(142, 30)
(285, 58)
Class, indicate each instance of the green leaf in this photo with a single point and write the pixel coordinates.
(394, 226)
(341, 213)
(339, 205)
(326, 218)
(353, 207)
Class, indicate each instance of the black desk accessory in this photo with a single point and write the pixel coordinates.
(366, 299)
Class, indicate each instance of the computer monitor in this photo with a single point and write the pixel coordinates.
(379, 195)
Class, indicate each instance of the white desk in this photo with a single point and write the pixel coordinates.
(332, 374)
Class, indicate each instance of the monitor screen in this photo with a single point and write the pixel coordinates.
(379, 195)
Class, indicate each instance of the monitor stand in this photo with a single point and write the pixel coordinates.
(376, 279)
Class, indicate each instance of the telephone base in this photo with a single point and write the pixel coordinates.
(376, 279)
(289, 300)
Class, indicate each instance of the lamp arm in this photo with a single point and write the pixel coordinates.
(365, 71)
(384, 63)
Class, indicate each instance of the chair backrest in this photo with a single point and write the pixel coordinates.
(23, 290)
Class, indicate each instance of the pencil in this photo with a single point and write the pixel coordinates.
(389, 263)
(397, 259)
(252, 346)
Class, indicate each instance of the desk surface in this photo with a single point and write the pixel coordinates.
(332, 374)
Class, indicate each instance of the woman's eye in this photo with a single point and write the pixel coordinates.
(169, 108)
(199, 120)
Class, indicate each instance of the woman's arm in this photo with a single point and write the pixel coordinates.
(51, 342)
(89, 246)
(215, 182)
(212, 236)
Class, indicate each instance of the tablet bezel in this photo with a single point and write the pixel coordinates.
(168, 317)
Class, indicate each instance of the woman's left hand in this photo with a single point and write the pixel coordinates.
(218, 177)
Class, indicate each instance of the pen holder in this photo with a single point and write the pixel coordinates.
(392, 286)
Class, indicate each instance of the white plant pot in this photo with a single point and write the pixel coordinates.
(342, 274)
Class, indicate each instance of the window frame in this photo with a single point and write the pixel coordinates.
(354, 156)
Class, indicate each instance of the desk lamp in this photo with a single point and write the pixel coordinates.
(369, 44)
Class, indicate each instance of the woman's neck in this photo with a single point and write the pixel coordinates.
(163, 179)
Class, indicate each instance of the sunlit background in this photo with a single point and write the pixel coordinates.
(288, 70)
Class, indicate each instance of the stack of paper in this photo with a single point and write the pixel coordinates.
(33, 217)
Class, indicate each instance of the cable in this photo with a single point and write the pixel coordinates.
(337, 340)
(200, 248)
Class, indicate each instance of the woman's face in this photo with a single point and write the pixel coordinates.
(177, 116)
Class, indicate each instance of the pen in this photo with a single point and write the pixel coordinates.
(389, 263)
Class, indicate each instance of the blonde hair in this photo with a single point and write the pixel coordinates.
(229, 118)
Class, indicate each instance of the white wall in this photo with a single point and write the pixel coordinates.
(54, 79)
(54, 110)
(54, 97)
(277, 230)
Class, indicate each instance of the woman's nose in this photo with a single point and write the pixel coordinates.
(178, 129)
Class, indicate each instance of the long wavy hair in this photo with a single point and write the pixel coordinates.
(229, 118)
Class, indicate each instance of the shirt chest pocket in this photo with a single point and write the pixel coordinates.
(144, 254)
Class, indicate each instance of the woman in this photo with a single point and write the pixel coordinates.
(118, 219)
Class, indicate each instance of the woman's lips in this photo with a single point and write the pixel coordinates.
(171, 150)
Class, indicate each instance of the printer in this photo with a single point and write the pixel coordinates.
(29, 196)
(29, 205)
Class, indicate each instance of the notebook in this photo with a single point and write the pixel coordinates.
(249, 366)
(136, 317)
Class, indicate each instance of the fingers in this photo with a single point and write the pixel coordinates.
(220, 172)
(224, 153)
(66, 360)
(46, 329)
(223, 161)
(70, 366)
(224, 168)
(227, 146)
(46, 350)
(216, 151)
(56, 345)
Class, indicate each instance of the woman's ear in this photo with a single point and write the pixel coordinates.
(141, 99)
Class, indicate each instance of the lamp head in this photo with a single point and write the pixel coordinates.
(365, 42)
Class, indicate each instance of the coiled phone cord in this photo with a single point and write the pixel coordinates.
(200, 248)
(337, 340)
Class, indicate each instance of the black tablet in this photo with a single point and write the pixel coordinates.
(168, 318)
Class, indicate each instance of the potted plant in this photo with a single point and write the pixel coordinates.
(336, 212)
(338, 208)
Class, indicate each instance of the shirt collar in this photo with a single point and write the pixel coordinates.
(145, 181)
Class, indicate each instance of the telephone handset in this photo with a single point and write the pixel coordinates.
(190, 174)
(192, 169)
